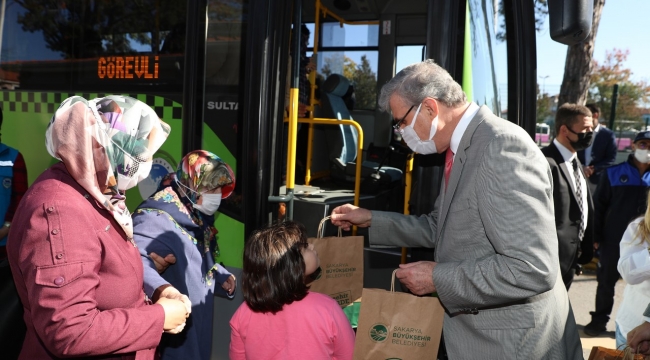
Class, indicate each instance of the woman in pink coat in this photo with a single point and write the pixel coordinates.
(70, 247)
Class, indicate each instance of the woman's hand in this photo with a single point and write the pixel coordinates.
(173, 293)
(162, 263)
(230, 285)
(175, 314)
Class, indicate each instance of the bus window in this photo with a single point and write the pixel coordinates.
(351, 51)
(333, 35)
(92, 46)
(53, 50)
(360, 67)
(488, 58)
(221, 109)
(407, 55)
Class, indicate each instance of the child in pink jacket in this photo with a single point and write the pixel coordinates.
(280, 318)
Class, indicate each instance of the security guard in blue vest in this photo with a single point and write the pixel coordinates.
(620, 198)
(12, 169)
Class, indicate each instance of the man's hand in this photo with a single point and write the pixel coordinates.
(230, 285)
(162, 263)
(347, 215)
(417, 277)
(638, 339)
(588, 170)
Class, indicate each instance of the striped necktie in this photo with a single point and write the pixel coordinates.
(576, 175)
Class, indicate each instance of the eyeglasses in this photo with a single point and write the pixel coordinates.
(399, 123)
(642, 145)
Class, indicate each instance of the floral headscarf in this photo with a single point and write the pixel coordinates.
(202, 171)
(104, 142)
(198, 171)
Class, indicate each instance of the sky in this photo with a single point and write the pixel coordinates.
(624, 25)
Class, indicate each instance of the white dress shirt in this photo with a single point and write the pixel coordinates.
(467, 117)
(568, 157)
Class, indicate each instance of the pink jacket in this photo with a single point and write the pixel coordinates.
(79, 279)
(313, 328)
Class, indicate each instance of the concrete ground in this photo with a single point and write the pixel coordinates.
(582, 295)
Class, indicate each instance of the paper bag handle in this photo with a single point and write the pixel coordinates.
(392, 281)
(626, 352)
(321, 228)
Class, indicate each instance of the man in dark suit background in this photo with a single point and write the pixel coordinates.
(601, 154)
(574, 211)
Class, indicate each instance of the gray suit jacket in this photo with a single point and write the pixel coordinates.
(496, 247)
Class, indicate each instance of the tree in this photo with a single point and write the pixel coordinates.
(338, 63)
(361, 77)
(578, 65)
(630, 94)
(365, 85)
(81, 29)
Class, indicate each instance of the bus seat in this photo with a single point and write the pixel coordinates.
(343, 139)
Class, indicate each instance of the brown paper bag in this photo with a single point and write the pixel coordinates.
(396, 325)
(341, 262)
(603, 353)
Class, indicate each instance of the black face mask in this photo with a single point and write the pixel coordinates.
(315, 275)
(584, 140)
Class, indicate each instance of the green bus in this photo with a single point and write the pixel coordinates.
(217, 72)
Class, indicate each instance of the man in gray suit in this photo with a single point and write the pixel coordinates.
(496, 267)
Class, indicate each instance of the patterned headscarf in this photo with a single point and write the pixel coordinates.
(199, 171)
(202, 171)
(103, 141)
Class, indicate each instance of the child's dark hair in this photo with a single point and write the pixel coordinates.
(274, 269)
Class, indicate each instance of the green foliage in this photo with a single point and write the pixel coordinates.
(360, 75)
(631, 95)
(106, 26)
(365, 85)
(333, 64)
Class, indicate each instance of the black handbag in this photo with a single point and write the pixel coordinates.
(12, 325)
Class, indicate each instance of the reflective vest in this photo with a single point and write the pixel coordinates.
(7, 158)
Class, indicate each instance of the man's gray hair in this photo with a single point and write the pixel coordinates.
(418, 81)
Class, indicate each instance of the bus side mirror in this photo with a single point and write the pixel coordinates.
(570, 20)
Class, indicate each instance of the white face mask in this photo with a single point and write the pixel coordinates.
(127, 182)
(414, 142)
(209, 203)
(642, 155)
